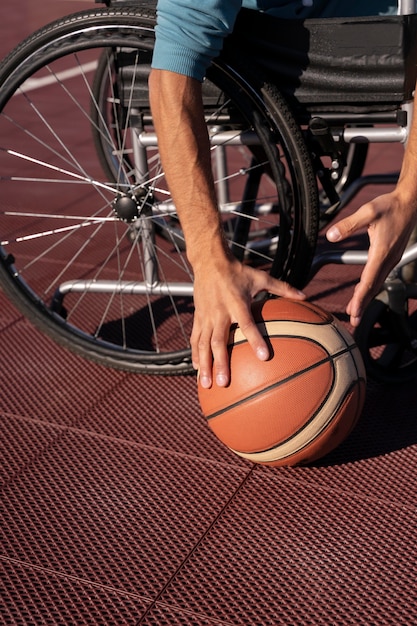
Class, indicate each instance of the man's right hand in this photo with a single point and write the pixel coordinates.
(223, 292)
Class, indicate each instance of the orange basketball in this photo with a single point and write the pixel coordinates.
(301, 403)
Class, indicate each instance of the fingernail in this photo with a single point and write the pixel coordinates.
(355, 321)
(221, 380)
(205, 382)
(262, 354)
(333, 234)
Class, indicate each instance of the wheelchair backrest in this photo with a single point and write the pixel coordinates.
(362, 61)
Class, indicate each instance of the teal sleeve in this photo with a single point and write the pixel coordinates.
(190, 33)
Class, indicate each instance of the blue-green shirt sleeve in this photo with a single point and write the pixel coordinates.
(190, 33)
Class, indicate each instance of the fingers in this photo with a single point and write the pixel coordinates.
(360, 299)
(388, 227)
(208, 345)
(371, 277)
(210, 333)
(380, 262)
(210, 351)
(350, 225)
(280, 288)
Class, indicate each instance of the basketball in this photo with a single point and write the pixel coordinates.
(300, 404)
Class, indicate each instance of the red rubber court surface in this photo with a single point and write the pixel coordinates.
(118, 505)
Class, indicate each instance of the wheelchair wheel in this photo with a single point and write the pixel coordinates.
(388, 342)
(103, 121)
(91, 249)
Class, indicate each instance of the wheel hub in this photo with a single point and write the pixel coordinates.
(126, 208)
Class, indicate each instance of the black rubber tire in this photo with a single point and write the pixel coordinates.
(388, 343)
(21, 274)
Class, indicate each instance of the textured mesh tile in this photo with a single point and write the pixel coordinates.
(389, 478)
(38, 597)
(161, 615)
(22, 442)
(388, 422)
(332, 287)
(159, 412)
(25, 18)
(290, 554)
(111, 513)
(42, 380)
(62, 388)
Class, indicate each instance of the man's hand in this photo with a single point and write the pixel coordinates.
(223, 292)
(389, 219)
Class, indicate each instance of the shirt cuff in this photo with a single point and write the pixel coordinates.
(180, 59)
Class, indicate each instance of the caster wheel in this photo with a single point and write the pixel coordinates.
(388, 342)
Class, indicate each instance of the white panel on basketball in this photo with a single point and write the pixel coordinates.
(332, 342)
(348, 367)
(345, 371)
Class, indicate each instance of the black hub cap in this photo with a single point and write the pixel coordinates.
(126, 208)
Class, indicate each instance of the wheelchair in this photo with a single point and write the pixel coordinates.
(91, 249)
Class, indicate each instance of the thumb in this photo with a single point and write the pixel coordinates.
(349, 225)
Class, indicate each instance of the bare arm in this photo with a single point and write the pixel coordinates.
(390, 219)
(223, 287)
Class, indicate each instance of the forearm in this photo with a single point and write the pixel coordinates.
(223, 287)
(177, 110)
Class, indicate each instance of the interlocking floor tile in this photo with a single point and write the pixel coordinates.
(113, 513)
(41, 380)
(37, 596)
(286, 554)
(159, 412)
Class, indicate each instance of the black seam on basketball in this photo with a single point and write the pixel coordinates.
(352, 347)
(320, 432)
(279, 383)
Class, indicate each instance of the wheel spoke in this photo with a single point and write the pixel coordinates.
(91, 245)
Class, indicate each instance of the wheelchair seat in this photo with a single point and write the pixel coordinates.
(352, 64)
